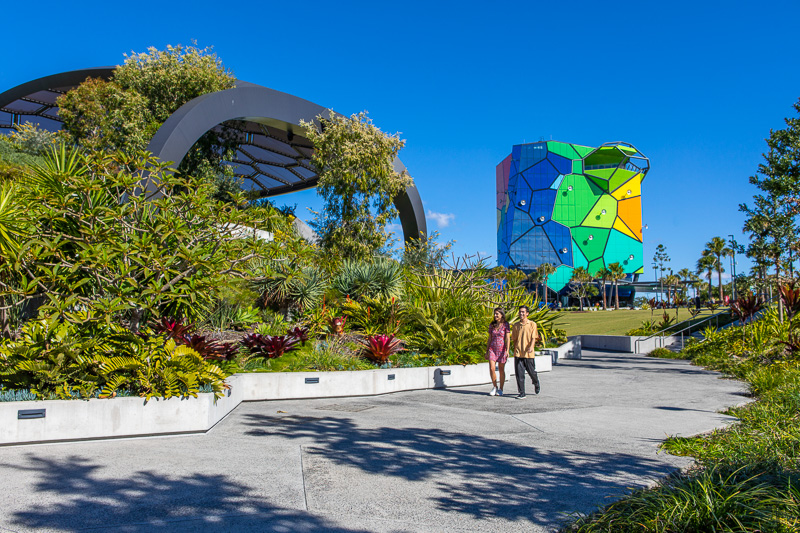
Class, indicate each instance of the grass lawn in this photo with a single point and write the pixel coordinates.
(614, 322)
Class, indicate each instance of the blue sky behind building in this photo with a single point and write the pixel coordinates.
(696, 86)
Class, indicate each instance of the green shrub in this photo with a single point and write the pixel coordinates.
(88, 359)
(663, 353)
(379, 279)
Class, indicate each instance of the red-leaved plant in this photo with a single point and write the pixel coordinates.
(270, 347)
(173, 328)
(301, 334)
(378, 348)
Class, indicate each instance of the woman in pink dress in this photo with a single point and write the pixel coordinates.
(497, 349)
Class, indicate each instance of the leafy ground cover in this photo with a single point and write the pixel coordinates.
(747, 476)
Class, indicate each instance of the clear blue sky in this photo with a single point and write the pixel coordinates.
(696, 86)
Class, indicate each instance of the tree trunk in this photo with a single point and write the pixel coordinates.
(616, 295)
(719, 280)
(605, 302)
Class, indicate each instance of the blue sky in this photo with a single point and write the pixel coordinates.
(696, 86)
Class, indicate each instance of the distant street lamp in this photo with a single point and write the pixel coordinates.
(733, 263)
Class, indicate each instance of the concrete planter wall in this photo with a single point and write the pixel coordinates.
(127, 417)
(624, 343)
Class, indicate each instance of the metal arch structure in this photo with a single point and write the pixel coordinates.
(272, 151)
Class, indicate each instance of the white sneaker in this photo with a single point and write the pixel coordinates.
(494, 391)
(499, 392)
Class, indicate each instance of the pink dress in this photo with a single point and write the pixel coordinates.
(498, 351)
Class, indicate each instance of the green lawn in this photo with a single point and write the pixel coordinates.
(614, 322)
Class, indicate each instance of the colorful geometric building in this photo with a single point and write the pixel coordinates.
(571, 206)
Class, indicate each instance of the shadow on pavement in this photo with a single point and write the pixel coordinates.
(478, 476)
(148, 501)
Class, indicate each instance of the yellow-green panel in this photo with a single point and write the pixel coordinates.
(597, 217)
(640, 271)
(620, 176)
(562, 149)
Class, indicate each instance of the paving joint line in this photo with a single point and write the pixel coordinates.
(303, 477)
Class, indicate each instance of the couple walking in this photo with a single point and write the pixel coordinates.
(523, 335)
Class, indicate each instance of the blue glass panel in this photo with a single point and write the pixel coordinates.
(556, 184)
(515, 151)
(533, 249)
(562, 164)
(561, 239)
(542, 205)
(541, 176)
(522, 223)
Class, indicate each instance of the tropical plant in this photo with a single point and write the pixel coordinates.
(706, 264)
(718, 248)
(285, 284)
(375, 315)
(379, 278)
(269, 347)
(378, 348)
(790, 297)
(580, 285)
(299, 333)
(543, 272)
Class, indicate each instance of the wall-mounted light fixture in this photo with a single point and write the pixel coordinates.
(569, 188)
(541, 219)
(522, 202)
(563, 250)
(603, 212)
(591, 237)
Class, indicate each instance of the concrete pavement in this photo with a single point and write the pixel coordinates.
(434, 460)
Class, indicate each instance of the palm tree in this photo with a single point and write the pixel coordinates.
(706, 263)
(603, 275)
(545, 269)
(718, 248)
(617, 273)
(686, 275)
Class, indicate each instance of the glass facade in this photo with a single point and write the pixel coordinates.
(571, 206)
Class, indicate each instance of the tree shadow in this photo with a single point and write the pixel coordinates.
(147, 501)
(477, 476)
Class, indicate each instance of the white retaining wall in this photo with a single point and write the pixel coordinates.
(127, 417)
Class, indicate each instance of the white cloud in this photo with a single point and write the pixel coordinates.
(442, 219)
(394, 228)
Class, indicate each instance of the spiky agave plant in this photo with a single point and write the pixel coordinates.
(378, 348)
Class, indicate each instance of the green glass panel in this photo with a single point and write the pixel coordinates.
(597, 218)
(591, 241)
(578, 259)
(606, 155)
(603, 185)
(602, 173)
(620, 248)
(577, 167)
(620, 176)
(582, 150)
(572, 206)
(596, 265)
(562, 149)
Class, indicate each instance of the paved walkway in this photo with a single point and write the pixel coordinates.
(439, 460)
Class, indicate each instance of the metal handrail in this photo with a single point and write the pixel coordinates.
(660, 335)
(690, 326)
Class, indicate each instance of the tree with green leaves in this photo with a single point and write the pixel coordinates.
(706, 265)
(685, 275)
(617, 273)
(580, 285)
(604, 275)
(357, 182)
(85, 255)
(124, 113)
(660, 259)
(542, 273)
(718, 248)
(771, 219)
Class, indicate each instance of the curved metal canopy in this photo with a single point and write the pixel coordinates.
(272, 156)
